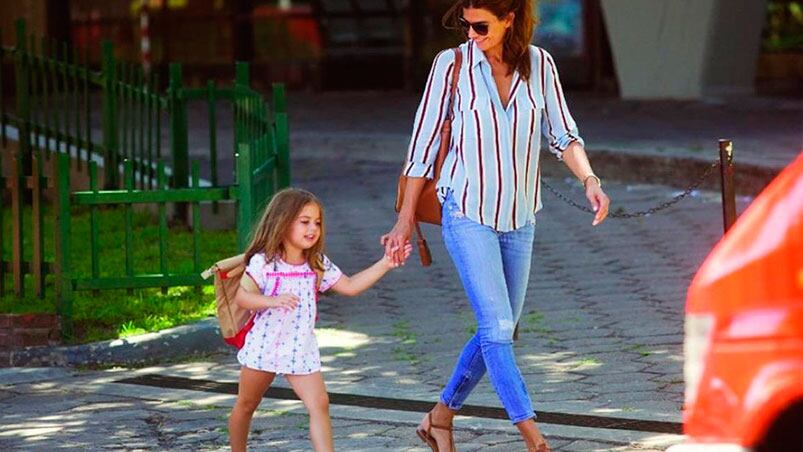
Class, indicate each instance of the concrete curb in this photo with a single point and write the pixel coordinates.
(197, 338)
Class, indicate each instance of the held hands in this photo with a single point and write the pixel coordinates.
(286, 301)
(403, 253)
(598, 199)
(397, 240)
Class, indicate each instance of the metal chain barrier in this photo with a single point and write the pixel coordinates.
(643, 213)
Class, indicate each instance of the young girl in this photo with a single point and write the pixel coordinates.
(285, 272)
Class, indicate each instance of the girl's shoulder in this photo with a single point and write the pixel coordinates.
(257, 260)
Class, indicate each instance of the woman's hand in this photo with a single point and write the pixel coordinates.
(598, 199)
(396, 241)
(388, 259)
(285, 301)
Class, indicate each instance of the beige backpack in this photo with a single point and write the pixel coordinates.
(235, 321)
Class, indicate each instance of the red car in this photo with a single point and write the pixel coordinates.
(744, 330)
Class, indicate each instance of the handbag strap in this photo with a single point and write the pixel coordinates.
(446, 128)
(446, 135)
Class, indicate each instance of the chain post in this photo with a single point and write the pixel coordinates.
(728, 188)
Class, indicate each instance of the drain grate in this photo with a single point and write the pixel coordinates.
(386, 403)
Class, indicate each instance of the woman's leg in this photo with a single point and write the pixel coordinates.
(516, 252)
(516, 249)
(476, 252)
(253, 384)
(312, 391)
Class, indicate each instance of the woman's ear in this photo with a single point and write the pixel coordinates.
(511, 16)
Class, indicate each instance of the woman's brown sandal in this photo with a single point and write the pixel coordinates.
(426, 435)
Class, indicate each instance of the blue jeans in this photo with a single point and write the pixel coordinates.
(494, 268)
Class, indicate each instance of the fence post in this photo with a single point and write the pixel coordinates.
(241, 79)
(22, 73)
(279, 98)
(61, 212)
(728, 188)
(109, 117)
(178, 127)
(21, 164)
(17, 202)
(179, 147)
(282, 134)
(245, 194)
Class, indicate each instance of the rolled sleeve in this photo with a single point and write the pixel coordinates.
(557, 125)
(432, 111)
(417, 169)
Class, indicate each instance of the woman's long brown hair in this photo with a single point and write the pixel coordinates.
(275, 223)
(516, 47)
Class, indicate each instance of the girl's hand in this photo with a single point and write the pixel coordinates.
(404, 253)
(599, 201)
(285, 301)
(396, 240)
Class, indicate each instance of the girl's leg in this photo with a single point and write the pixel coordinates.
(253, 384)
(312, 391)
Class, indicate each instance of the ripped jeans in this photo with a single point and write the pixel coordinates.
(494, 268)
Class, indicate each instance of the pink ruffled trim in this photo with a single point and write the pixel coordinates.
(290, 274)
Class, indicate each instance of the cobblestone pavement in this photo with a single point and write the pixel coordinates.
(601, 335)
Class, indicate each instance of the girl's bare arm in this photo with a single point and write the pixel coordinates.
(358, 283)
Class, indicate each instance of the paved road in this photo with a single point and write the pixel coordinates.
(601, 336)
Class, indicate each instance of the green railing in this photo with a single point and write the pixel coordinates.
(53, 113)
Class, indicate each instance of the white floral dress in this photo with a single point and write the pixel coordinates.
(283, 341)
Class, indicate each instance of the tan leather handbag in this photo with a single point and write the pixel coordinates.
(428, 208)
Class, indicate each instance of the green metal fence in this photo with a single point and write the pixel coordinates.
(53, 116)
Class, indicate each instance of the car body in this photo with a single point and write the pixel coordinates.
(744, 330)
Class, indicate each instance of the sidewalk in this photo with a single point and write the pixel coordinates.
(602, 331)
(601, 336)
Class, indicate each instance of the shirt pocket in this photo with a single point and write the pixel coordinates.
(530, 99)
(479, 102)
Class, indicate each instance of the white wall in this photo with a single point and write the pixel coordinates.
(679, 48)
(734, 46)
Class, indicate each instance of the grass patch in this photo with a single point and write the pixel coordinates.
(640, 349)
(401, 331)
(534, 322)
(591, 362)
(117, 313)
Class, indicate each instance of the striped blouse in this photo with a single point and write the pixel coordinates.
(492, 167)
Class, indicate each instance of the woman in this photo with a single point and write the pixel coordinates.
(489, 188)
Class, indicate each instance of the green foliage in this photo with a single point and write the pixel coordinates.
(116, 313)
(784, 27)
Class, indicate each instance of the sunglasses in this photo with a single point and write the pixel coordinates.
(481, 28)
